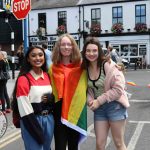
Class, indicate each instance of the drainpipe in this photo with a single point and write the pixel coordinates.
(79, 30)
(83, 18)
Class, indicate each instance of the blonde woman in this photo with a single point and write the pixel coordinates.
(69, 85)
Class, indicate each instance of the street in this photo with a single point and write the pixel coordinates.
(137, 135)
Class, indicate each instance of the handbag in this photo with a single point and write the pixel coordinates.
(4, 75)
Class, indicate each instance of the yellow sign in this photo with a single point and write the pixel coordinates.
(7, 6)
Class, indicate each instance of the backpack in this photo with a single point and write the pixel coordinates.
(14, 105)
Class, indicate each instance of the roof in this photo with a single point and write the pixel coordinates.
(43, 4)
(85, 2)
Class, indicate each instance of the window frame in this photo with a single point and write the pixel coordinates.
(140, 16)
(96, 20)
(117, 18)
(40, 17)
(62, 15)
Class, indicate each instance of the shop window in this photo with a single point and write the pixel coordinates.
(142, 50)
(124, 50)
(51, 45)
(133, 50)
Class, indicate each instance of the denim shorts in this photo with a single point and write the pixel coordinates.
(112, 111)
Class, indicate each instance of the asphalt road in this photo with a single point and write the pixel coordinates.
(137, 136)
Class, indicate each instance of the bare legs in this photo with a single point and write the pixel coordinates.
(117, 129)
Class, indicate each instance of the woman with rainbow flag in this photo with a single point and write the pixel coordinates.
(106, 95)
(69, 84)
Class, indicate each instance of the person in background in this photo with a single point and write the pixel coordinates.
(3, 88)
(48, 55)
(69, 83)
(7, 99)
(2, 82)
(37, 122)
(20, 55)
(113, 54)
(106, 95)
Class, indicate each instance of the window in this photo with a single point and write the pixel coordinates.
(140, 14)
(117, 15)
(95, 16)
(51, 45)
(62, 18)
(42, 20)
(142, 50)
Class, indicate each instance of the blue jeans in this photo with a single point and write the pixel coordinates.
(47, 123)
(111, 111)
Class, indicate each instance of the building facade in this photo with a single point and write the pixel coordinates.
(123, 24)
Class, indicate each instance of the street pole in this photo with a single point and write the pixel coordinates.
(26, 43)
(13, 55)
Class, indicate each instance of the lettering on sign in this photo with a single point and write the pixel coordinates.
(21, 5)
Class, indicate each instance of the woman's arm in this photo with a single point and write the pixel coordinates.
(117, 85)
(26, 111)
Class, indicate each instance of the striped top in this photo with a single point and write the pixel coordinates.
(30, 102)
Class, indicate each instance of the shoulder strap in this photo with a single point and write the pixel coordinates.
(104, 67)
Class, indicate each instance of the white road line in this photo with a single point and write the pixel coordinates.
(139, 101)
(89, 130)
(90, 133)
(9, 140)
(10, 136)
(135, 137)
(144, 122)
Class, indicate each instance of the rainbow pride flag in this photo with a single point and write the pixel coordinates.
(131, 83)
(70, 84)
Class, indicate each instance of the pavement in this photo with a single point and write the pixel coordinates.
(11, 131)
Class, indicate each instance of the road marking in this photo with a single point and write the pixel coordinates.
(135, 137)
(89, 130)
(144, 122)
(9, 139)
(90, 133)
(139, 101)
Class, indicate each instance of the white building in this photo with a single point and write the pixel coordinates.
(78, 16)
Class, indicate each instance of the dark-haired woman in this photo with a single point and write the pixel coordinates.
(106, 95)
(37, 121)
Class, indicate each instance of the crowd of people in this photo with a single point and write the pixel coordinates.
(75, 81)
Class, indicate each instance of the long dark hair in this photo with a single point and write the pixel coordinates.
(25, 68)
(101, 56)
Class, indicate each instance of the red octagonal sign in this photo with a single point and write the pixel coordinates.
(21, 8)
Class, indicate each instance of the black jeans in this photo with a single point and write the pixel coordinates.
(64, 135)
(2, 95)
(6, 97)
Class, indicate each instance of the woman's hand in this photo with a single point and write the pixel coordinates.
(94, 104)
(44, 98)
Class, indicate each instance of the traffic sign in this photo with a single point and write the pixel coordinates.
(21, 8)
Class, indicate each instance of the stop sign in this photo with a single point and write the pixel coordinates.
(21, 8)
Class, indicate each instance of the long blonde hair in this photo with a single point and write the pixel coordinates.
(56, 55)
